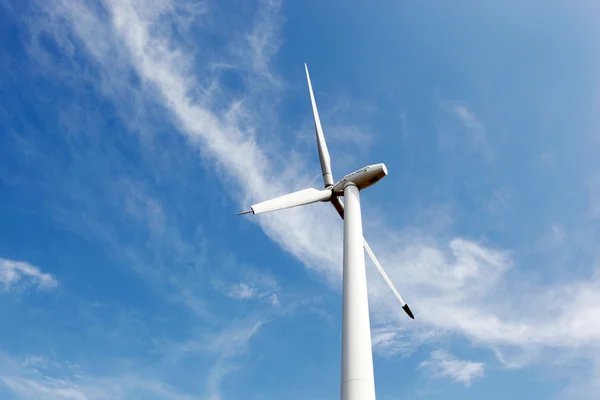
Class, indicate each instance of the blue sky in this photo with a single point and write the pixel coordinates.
(132, 132)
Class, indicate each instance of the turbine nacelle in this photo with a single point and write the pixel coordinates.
(362, 178)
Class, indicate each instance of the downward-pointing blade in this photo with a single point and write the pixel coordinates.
(387, 279)
(323, 152)
(339, 206)
(300, 198)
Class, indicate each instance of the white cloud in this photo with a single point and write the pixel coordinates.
(19, 273)
(112, 388)
(51, 389)
(444, 365)
(242, 291)
(389, 340)
(242, 281)
(229, 344)
(470, 120)
(245, 291)
(264, 39)
(42, 378)
(475, 131)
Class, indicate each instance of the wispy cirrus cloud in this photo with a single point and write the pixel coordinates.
(243, 282)
(245, 291)
(36, 377)
(390, 340)
(470, 120)
(471, 132)
(15, 274)
(442, 364)
(263, 40)
(229, 345)
(51, 389)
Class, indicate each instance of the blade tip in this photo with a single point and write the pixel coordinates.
(246, 212)
(406, 309)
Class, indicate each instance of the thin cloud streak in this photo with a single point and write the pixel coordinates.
(244, 291)
(54, 381)
(229, 344)
(442, 364)
(20, 273)
(474, 131)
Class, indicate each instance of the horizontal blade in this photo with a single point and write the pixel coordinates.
(300, 198)
(321, 144)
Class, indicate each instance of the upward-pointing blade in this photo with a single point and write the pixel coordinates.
(323, 152)
(300, 198)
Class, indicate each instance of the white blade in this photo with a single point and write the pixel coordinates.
(300, 198)
(339, 206)
(387, 279)
(323, 152)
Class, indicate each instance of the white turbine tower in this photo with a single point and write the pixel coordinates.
(357, 357)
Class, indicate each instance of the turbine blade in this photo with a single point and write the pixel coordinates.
(300, 198)
(322, 146)
(387, 279)
(339, 206)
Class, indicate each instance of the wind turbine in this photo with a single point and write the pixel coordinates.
(357, 357)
